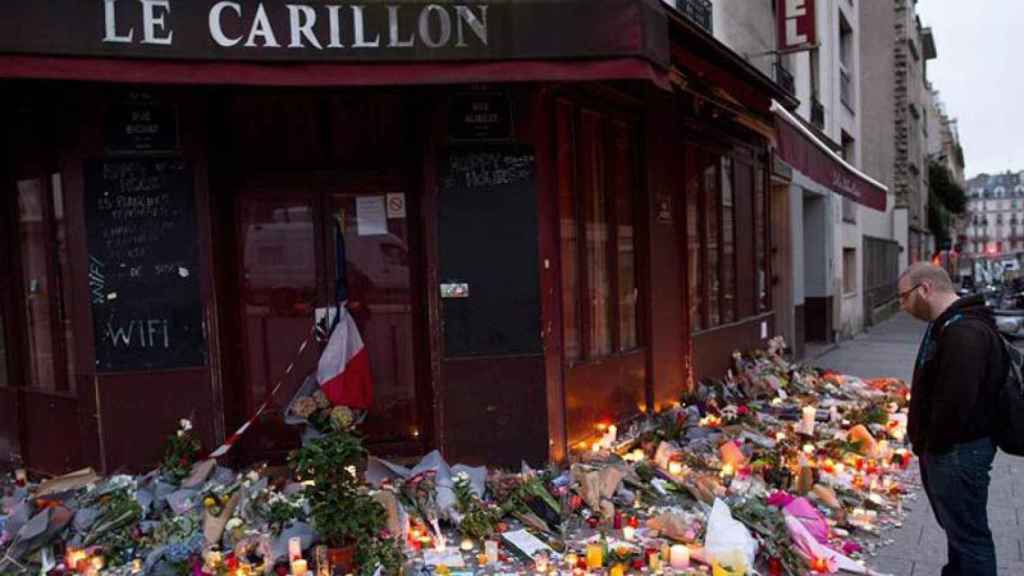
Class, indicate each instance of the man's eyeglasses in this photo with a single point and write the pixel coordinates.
(908, 291)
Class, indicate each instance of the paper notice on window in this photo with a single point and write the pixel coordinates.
(371, 216)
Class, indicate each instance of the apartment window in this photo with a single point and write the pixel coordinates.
(597, 180)
(45, 289)
(849, 270)
(846, 56)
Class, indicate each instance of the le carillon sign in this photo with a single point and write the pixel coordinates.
(326, 30)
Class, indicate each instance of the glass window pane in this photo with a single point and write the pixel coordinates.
(728, 243)
(64, 277)
(695, 272)
(761, 240)
(625, 186)
(568, 226)
(595, 221)
(711, 247)
(36, 286)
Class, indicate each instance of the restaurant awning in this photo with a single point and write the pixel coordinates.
(805, 152)
(274, 42)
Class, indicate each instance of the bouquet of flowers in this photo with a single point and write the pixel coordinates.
(180, 452)
(479, 519)
(420, 492)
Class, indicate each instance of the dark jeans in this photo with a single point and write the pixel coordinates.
(957, 486)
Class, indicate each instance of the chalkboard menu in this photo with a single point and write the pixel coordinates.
(143, 264)
(489, 251)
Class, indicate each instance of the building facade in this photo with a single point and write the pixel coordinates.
(995, 216)
(535, 237)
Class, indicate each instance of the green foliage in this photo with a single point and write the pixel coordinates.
(946, 190)
(180, 453)
(478, 520)
(342, 512)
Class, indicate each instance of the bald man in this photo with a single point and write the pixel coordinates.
(959, 368)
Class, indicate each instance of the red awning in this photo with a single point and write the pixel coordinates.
(802, 150)
(137, 71)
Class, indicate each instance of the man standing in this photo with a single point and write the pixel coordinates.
(953, 403)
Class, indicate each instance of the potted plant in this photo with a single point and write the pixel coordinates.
(349, 521)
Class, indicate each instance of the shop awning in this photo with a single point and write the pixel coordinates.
(273, 42)
(804, 151)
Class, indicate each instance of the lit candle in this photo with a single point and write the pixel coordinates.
(595, 556)
(618, 570)
(596, 447)
(807, 423)
(572, 560)
(74, 557)
(820, 565)
(491, 548)
(654, 561)
(613, 434)
(780, 436)
(679, 557)
(675, 468)
(727, 471)
(808, 448)
(466, 545)
(628, 533)
(294, 548)
(21, 476)
(299, 567)
(136, 566)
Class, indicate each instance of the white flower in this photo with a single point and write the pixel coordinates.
(233, 524)
(185, 424)
(253, 476)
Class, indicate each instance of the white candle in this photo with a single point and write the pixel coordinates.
(679, 557)
(807, 424)
(299, 567)
(491, 548)
(294, 548)
(628, 532)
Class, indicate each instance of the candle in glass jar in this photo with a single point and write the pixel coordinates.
(491, 548)
(679, 557)
(675, 468)
(299, 567)
(595, 556)
(572, 560)
(807, 423)
(628, 533)
(654, 560)
(466, 545)
(618, 570)
(294, 548)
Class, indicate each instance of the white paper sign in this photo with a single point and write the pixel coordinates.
(450, 557)
(526, 543)
(396, 205)
(371, 216)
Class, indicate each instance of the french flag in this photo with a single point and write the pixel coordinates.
(344, 369)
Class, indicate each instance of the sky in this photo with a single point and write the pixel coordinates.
(979, 73)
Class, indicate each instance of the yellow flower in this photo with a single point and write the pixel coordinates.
(209, 502)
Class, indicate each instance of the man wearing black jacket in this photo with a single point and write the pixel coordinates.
(952, 406)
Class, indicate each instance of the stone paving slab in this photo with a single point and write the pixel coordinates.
(919, 547)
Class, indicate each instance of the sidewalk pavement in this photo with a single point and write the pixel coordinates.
(918, 548)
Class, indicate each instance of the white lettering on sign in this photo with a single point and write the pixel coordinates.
(216, 30)
(794, 10)
(149, 333)
(309, 26)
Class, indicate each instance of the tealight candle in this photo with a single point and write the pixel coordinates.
(466, 545)
(727, 471)
(572, 560)
(294, 548)
(540, 562)
(595, 556)
(780, 436)
(136, 566)
(299, 567)
(679, 557)
(675, 468)
(808, 448)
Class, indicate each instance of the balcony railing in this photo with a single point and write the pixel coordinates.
(698, 11)
(845, 90)
(784, 79)
(817, 113)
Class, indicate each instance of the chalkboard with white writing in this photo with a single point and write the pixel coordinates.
(143, 264)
